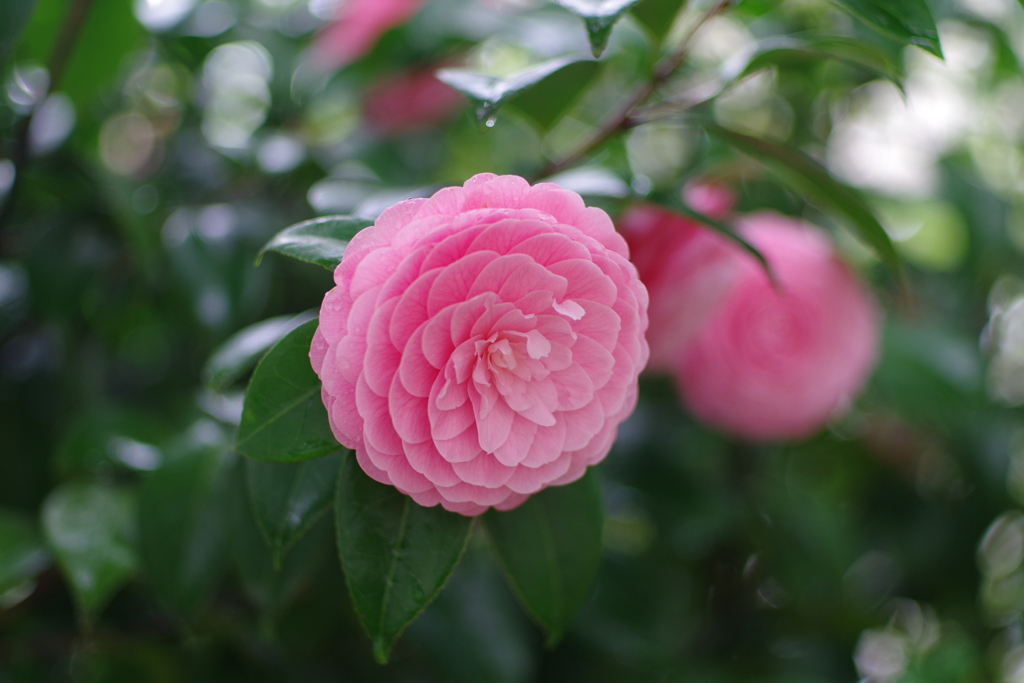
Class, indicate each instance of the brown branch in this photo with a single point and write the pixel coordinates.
(623, 119)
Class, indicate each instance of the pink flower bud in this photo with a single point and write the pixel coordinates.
(713, 199)
(409, 101)
(358, 26)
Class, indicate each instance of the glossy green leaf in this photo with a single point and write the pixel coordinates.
(110, 32)
(321, 240)
(183, 528)
(239, 353)
(599, 16)
(726, 231)
(488, 93)
(90, 529)
(550, 549)
(549, 99)
(909, 21)
(474, 630)
(23, 554)
(289, 497)
(272, 587)
(14, 14)
(657, 15)
(856, 53)
(815, 180)
(396, 554)
(109, 438)
(283, 418)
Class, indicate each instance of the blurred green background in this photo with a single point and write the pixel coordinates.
(180, 135)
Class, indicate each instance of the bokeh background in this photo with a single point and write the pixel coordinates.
(172, 138)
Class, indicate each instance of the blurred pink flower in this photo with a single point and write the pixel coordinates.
(687, 270)
(713, 199)
(482, 344)
(358, 26)
(773, 363)
(408, 101)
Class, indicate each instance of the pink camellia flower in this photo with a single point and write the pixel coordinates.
(776, 362)
(482, 344)
(358, 26)
(409, 101)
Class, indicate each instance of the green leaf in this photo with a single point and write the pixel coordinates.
(726, 231)
(550, 549)
(14, 14)
(908, 21)
(815, 180)
(547, 100)
(272, 587)
(109, 34)
(283, 417)
(111, 437)
(657, 15)
(856, 53)
(474, 631)
(241, 351)
(287, 498)
(183, 530)
(90, 529)
(23, 553)
(487, 93)
(599, 16)
(321, 240)
(396, 554)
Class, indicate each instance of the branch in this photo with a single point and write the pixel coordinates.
(623, 119)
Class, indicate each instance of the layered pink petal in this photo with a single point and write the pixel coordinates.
(482, 344)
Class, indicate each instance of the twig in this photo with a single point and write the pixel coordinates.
(622, 119)
(676, 105)
(70, 29)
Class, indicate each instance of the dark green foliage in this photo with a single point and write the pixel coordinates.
(396, 554)
(136, 546)
(599, 16)
(183, 526)
(90, 529)
(818, 182)
(657, 15)
(320, 240)
(908, 21)
(235, 357)
(878, 62)
(272, 581)
(289, 498)
(13, 17)
(550, 549)
(283, 418)
(22, 551)
(488, 93)
(548, 100)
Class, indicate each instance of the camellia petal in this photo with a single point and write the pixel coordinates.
(482, 344)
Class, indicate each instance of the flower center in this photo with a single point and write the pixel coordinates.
(510, 357)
